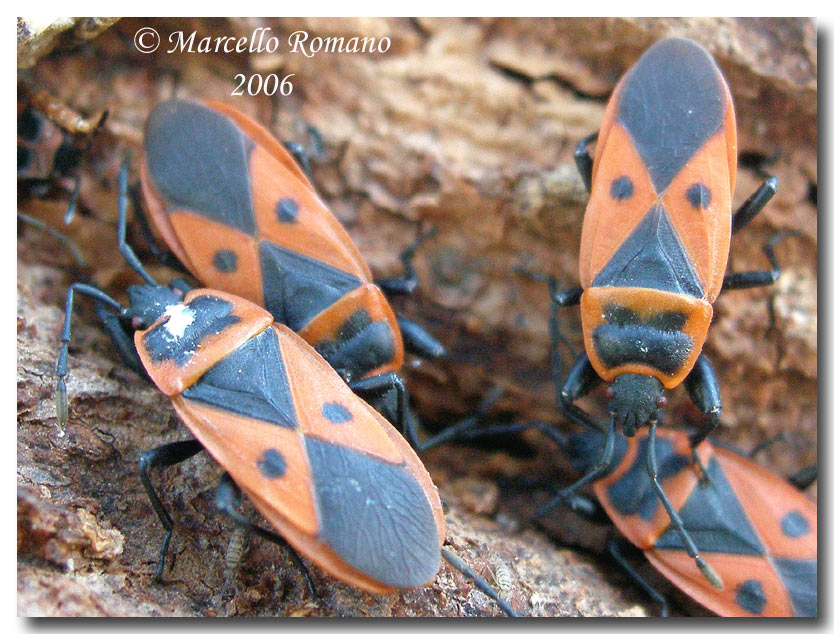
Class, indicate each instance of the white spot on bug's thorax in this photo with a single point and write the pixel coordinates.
(179, 317)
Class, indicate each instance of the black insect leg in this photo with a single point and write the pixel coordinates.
(581, 379)
(752, 279)
(124, 248)
(122, 340)
(66, 336)
(804, 478)
(406, 283)
(675, 519)
(613, 547)
(418, 341)
(599, 470)
(467, 428)
(302, 155)
(73, 202)
(457, 563)
(753, 205)
(227, 499)
(161, 457)
(63, 239)
(584, 162)
(702, 386)
(376, 389)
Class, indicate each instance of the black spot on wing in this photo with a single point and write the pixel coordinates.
(374, 515)
(225, 261)
(336, 413)
(272, 464)
(633, 492)
(297, 287)
(251, 381)
(750, 596)
(794, 524)
(198, 159)
(671, 103)
(715, 519)
(698, 196)
(622, 188)
(800, 579)
(286, 210)
(176, 341)
(652, 257)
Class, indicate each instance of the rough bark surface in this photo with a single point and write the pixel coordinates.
(467, 125)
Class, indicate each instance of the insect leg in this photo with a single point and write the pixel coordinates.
(302, 155)
(406, 283)
(702, 387)
(73, 203)
(63, 239)
(751, 279)
(603, 462)
(581, 379)
(161, 457)
(467, 427)
(804, 478)
(457, 563)
(675, 519)
(124, 248)
(613, 548)
(61, 368)
(584, 162)
(417, 340)
(753, 205)
(378, 388)
(122, 340)
(227, 499)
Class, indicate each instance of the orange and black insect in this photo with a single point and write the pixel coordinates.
(51, 141)
(242, 216)
(327, 471)
(655, 243)
(755, 529)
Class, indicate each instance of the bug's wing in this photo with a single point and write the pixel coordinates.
(758, 532)
(664, 174)
(321, 465)
(234, 207)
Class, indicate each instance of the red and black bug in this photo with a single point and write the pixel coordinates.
(757, 531)
(328, 472)
(241, 215)
(655, 243)
(51, 141)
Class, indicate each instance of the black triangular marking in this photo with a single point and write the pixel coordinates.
(633, 492)
(297, 287)
(652, 257)
(374, 515)
(671, 104)
(198, 160)
(714, 519)
(800, 579)
(251, 381)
